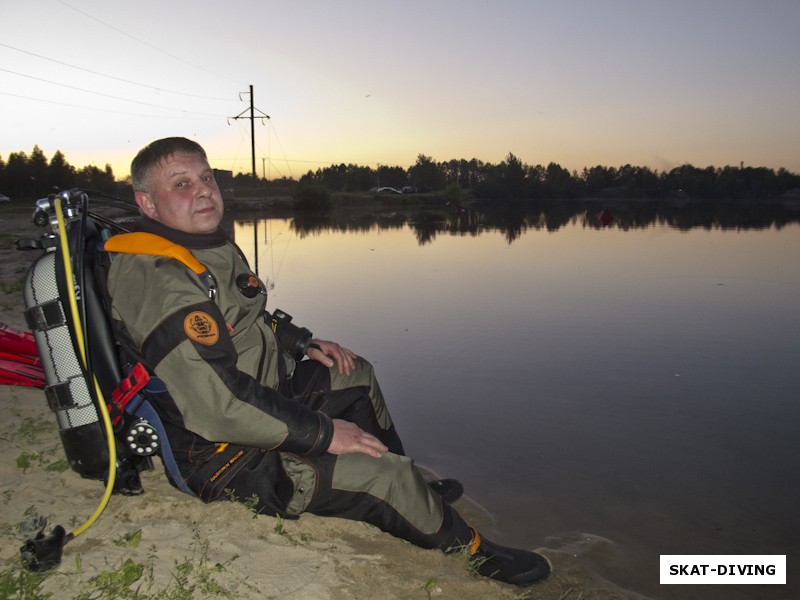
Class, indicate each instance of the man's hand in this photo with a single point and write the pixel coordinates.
(349, 438)
(329, 352)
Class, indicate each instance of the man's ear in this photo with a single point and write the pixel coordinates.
(146, 204)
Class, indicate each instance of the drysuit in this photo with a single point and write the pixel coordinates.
(243, 420)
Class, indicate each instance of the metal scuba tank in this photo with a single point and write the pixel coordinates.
(72, 386)
(67, 390)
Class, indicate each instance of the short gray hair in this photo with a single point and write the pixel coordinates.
(152, 154)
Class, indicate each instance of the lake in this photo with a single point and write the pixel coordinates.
(615, 391)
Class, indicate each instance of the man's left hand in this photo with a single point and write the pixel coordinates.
(329, 353)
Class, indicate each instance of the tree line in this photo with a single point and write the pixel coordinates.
(514, 179)
(33, 175)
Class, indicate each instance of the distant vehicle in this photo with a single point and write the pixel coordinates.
(4, 198)
(388, 190)
(410, 189)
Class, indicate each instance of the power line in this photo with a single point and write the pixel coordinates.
(151, 87)
(126, 34)
(92, 108)
(72, 87)
(281, 148)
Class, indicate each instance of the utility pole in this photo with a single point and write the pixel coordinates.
(252, 117)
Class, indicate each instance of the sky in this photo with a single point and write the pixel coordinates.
(372, 82)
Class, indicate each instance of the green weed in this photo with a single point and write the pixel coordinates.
(26, 460)
(114, 584)
(429, 586)
(13, 288)
(131, 540)
(17, 286)
(279, 529)
(29, 459)
(251, 503)
(17, 582)
(30, 429)
(471, 562)
(194, 577)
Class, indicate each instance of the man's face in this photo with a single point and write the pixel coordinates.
(183, 194)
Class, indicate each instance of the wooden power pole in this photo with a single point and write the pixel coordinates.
(252, 116)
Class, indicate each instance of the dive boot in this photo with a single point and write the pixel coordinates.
(449, 489)
(518, 567)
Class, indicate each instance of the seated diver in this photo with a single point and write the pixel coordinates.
(245, 413)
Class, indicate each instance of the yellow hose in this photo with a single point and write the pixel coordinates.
(76, 322)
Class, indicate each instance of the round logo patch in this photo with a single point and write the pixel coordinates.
(201, 328)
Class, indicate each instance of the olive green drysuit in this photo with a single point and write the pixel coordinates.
(241, 418)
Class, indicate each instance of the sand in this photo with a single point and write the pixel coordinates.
(165, 544)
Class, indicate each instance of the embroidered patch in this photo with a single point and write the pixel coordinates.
(201, 328)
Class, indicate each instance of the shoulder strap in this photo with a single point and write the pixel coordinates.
(154, 245)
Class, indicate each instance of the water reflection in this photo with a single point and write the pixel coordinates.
(614, 392)
(513, 219)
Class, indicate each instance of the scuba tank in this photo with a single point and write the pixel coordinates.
(67, 390)
(65, 311)
(69, 385)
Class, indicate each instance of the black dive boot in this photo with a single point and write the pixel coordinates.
(449, 489)
(518, 567)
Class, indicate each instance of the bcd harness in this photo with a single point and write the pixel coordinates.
(294, 341)
(128, 397)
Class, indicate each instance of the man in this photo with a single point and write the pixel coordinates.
(245, 415)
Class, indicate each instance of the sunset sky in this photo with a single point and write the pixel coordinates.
(579, 83)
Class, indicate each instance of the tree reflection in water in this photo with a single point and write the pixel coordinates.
(514, 218)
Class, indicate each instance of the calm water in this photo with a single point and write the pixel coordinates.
(616, 392)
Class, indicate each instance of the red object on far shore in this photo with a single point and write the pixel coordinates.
(604, 217)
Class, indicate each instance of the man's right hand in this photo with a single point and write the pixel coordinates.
(349, 438)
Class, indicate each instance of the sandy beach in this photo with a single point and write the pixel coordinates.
(164, 544)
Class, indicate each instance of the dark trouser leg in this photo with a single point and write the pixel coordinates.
(388, 493)
(356, 398)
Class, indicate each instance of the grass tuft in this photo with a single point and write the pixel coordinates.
(192, 578)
